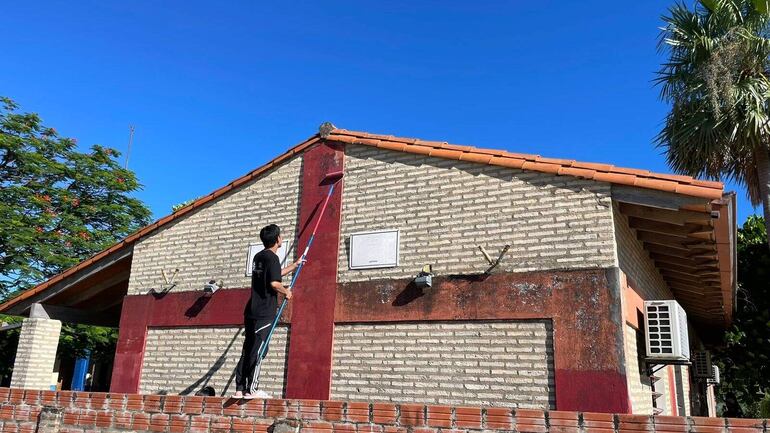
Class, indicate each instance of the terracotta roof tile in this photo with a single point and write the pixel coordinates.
(436, 144)
(633, 171)
(446, 153)
(392, 145)
(660, 185)
(593, 166)
(619, 178)
(458, 147)
(494, 152)
(421, 150)
(562, 162)
(601, 172)
(541, 167)
(695, 191)
(577, 172)
(475, 157)
(507, 162)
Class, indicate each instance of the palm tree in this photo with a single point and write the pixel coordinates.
(717, 80)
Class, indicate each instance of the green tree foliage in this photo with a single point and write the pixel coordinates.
(78, 341)
(9, 340)
(745, 358)
(58, 206)
(717, 81)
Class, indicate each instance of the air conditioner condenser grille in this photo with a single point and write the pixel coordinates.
(666, 331)
(659, 328)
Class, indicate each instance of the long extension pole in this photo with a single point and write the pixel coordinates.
(299, 269)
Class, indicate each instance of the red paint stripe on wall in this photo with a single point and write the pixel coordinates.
(672, 391)
(312, 335)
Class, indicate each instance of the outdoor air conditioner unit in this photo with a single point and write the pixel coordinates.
(701, 364)
(714, 379)
(666, 332)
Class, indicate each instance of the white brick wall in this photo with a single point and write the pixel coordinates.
(35, 354)
(474, 363)
(638, 382)
(635, 261)
(446, 208)
(211, 243)
(184, 360)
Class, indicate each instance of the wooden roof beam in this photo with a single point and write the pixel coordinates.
(699, 271)
(698, 284)
(681, 253)
(684, 231)
(657, 199)
(680, 217)
(684, 261)
(697, 280)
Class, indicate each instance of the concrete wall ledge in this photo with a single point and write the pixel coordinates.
(80, 412)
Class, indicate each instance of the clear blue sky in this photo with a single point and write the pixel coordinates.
(216, 89)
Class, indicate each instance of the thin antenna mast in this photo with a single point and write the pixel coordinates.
(130, 140)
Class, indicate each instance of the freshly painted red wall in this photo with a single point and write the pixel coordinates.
(309, 367)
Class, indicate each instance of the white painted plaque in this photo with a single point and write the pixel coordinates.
(255, 248)
(369, 250)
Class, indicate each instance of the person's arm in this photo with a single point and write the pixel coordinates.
(280, 288)
(275, 273)
(291, 267)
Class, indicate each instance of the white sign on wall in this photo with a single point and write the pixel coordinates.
(369, 250)
(255, 248)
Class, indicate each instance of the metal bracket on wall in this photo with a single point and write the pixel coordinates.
(493, 264)
(168, 284)
(651, 370)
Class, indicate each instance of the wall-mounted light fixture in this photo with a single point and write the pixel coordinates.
(211, 287)
(425, 277)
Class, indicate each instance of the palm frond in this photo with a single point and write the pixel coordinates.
(716, 80)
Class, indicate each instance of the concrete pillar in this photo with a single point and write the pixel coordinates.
(36, 354)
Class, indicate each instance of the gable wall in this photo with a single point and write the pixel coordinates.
(443, 208)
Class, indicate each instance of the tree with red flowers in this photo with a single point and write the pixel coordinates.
(58, 205)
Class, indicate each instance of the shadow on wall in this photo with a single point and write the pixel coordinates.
(204, 380)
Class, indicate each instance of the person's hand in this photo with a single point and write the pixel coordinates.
(299, 262)
(288, 294)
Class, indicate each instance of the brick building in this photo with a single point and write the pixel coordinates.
(557, 324)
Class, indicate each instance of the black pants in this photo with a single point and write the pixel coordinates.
(247, 371)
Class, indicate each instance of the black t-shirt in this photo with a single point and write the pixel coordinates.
(263, 302)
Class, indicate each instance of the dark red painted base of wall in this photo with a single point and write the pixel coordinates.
(584, 307)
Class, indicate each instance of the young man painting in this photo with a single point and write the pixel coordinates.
(260, 311)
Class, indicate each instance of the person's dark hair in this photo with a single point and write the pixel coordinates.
(269, 235)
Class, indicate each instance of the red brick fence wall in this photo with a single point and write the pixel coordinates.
(81, 412)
